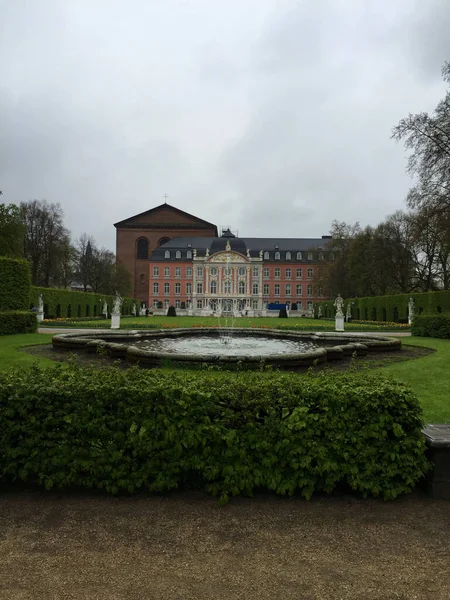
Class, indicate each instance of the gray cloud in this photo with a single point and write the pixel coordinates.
(273, 117)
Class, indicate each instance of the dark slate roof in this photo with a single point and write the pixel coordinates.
(270, 245)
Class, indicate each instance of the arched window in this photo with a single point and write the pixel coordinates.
(255, 288)
(142, 249)
(299, 256)
(241, 287)
(163, 240)
(189, 254)
(266, 256)
(288, 256)
(178, 254)
(277, 256)
(227, 287)
(167, 254)
(213, 287)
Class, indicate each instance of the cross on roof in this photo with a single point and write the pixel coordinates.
(165, 198)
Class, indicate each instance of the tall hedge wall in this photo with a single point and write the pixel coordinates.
(65, 303)
(15, 282)
(393, 308)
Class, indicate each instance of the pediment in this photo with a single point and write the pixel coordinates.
(235, 257)
(165, 215)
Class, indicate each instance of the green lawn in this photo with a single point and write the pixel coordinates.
(429, 376)
(163, 321)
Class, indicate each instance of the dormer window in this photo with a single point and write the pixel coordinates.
(288, 256)
(299, 256)
(189, 254)
(178, 254)
(320, 255)
(266, 256)
(167, 254)
(277, 256)
(310, 255)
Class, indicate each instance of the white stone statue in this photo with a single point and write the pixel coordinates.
(117, 304)
(348, 314)
(207, 252)
(105, 308)
(339, 305)
(411, 307)
(133, 310)
(194, 252)
(319, 312)
(248, 252)
(40, 305)
(261, 253)
(228, 246)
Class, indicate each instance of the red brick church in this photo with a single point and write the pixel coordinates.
(178, 259)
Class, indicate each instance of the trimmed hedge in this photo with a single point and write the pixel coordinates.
(134, 430)
(393, 308)
(60, 303)
(17, 321)
(437, 326)
(15, 282)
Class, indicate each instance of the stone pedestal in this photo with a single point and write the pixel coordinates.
(40, 316)
(339, 326)
(115, 321)
(438, 442)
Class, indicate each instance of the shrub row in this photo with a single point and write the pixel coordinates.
(134, 430)
(17, 321)
(15, 282)
(437, 326)
(392, 308)
(68, 304)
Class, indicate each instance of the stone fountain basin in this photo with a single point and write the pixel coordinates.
(119, 344)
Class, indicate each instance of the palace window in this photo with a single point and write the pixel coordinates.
(227, 271)
(155, 303)
(255, 271)
(266, 256)
(288, 256)
(199, 271)
(299, 273)
(277, 256)
(227, 287)
(199, 303)
(266, 273)
(155, 271)
(188, 271)
(288, 289)
(189, 254)
(320, 273)
(288, 273)
(310, 305)
(178, 254)
(142, 249)
(298, 290)
(177, 303)
(310, 273)
(277, 289)
(199, 287)
(299, 305)
(155, 289)
(255, 304)
(277, 273)
(310, 255)
(213, 271)
(309, 291)
(167, 254)
(188, 289)
(177, 289)
(241, 271)
(255, 289)
(320, 291)
(241, 287)
(299, 256)
(166, 271)
(288, 304)
(177, 271)
(166, 289)
(213, 287)
(266, 289)
(166, 304)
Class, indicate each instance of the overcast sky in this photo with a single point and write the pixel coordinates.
(271, 116)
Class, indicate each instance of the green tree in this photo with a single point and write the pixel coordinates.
(12, 231)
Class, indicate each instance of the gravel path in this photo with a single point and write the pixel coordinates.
(183, 546)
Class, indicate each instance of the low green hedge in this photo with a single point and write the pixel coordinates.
(134, 430)
(17, 321)
(437, 326)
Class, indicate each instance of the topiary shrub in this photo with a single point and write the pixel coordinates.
(17, 321)
(283, 313)
(171, 312)
(135, 430)
(437, 326)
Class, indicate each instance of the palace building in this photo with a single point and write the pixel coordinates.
(178, 259)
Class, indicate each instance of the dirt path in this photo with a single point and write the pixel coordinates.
(185, 547)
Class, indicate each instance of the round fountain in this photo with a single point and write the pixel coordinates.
(227, 346)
